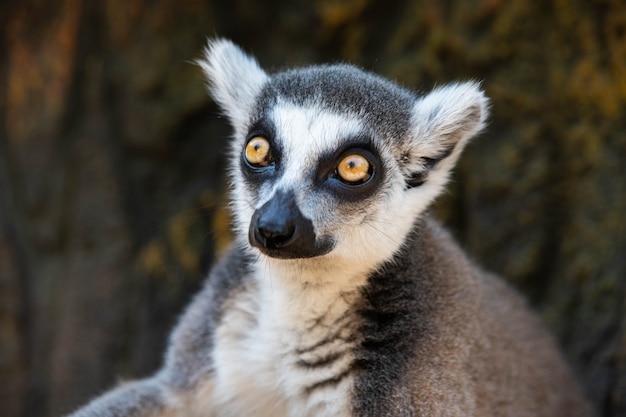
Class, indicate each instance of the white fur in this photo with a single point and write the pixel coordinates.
(448, 117)
(256, 371)
(235, 80)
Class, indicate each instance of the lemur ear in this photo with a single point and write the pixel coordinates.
(443, 123)
(234, 78)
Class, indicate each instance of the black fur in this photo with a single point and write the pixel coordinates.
(395, 319)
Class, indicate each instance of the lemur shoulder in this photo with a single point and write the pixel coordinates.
(341, 295)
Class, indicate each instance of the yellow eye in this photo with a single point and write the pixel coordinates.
(354, 169)
(258, 152)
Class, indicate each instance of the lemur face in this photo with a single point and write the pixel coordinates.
(310, 174)
(331, 162)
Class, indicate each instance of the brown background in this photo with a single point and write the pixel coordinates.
(111, 161)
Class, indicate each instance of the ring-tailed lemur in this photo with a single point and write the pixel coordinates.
(341, 297)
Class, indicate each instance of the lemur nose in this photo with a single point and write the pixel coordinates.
(274, 234)
(280, 230)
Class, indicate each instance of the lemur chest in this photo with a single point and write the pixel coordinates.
(277, 355)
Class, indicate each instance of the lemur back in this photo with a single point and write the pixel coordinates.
(341, 296)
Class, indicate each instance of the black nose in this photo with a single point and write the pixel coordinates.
(280, 230)
(273, 232)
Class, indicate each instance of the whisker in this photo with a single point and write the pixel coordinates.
(383, 233)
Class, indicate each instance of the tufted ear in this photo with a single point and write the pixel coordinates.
(235, 79)
(443, 122)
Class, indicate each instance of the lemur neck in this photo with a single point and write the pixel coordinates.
(310, 288)
(316, 274)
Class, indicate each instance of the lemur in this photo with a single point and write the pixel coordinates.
(341, 295)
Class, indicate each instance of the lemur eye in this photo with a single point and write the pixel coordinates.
(354, 169)
(257, 152)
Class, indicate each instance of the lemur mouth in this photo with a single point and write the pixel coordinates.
(280, 230)
(287, 254)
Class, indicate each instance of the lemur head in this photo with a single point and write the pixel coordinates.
(331, 163)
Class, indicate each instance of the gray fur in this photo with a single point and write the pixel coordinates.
(385, 106)
(445, 338)
(394, 320)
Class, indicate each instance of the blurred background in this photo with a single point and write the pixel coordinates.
(112, 193)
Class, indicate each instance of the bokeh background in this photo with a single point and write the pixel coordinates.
(112, 195)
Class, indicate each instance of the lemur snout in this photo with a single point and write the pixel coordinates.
(274, 235)
(280, 230)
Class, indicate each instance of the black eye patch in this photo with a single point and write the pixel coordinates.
(338, 174)
(257, 173)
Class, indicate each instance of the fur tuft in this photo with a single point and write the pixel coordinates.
(445, 119)
(235, 79)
